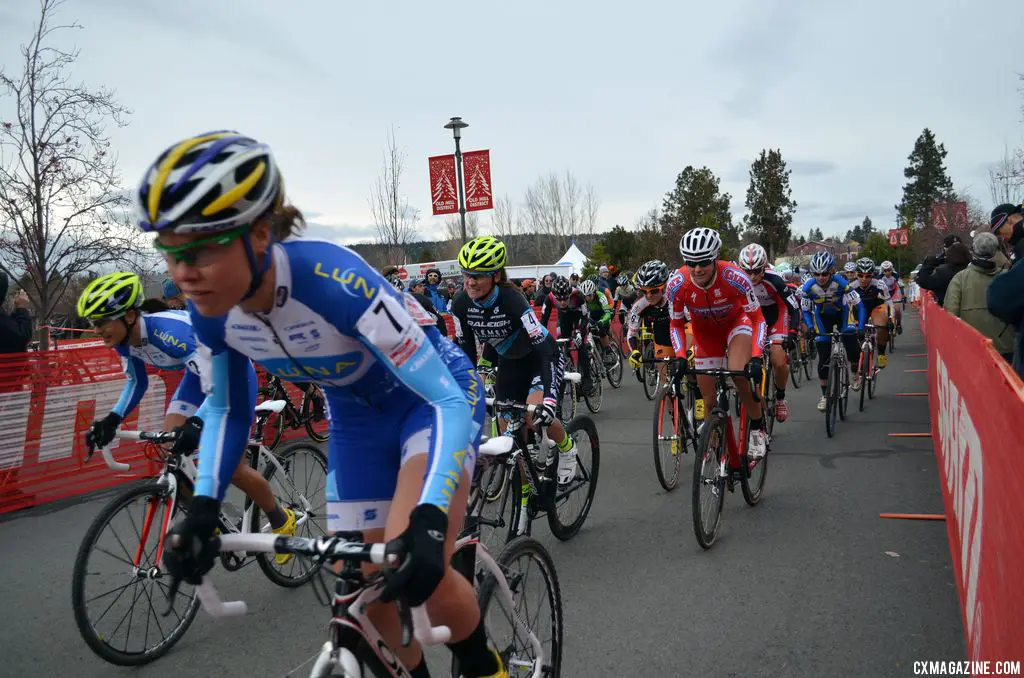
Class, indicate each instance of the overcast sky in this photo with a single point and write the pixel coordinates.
(621, 94)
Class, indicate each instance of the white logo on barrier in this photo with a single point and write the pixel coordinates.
(961, 459)
(14, 410)
(60, 414)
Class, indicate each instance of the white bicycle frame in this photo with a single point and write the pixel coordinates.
(188, 467)
(331, 657)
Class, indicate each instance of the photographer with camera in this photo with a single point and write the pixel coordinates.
(938, 270)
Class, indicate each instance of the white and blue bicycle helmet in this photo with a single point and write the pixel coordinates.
(822, 262)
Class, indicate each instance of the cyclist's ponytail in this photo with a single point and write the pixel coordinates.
(286, 221)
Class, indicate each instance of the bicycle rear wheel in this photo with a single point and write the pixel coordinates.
(302, 491)
(709, 481)
(614, 372)
(523, 561)
(752, 477)
(127, 584)
(497, 517)
(794, 367)
(570, 504)
(669, 446)
(310, 407)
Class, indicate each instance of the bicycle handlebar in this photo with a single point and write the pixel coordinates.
(158, 438)
(328, 549)
(510, 405)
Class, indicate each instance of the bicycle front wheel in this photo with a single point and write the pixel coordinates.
(595, 398)
(709, 481)
(649, 372)
(524, 563)
(300, 489)
(669, 445)
(570, 503)
(107, 557)
(313, 412)
(832, 391)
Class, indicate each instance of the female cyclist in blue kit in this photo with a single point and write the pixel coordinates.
(402, 427)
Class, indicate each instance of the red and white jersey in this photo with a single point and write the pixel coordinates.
(728, 297)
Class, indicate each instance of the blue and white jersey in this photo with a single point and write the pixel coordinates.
(830, 301)
(337, 322)
(168, 343)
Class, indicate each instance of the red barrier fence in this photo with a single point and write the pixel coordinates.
(48, 399)
(977, 414)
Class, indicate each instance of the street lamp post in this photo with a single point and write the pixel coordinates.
(455, 125)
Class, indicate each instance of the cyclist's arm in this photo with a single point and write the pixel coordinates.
(606, 311)
(227, 418)
(136, 383)
(466, 338)
(633, 328)
(398, 342)
(677, 325)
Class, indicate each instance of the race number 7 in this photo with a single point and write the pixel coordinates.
(381, 307)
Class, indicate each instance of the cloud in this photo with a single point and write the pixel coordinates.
(856, 212)
(811, 167)
(346, 234)
(714, 144)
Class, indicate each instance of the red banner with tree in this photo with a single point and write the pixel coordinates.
(443, 197)
(476, 167)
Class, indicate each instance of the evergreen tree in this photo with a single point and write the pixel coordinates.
(928, 183)
(770, 202)
(696, 201)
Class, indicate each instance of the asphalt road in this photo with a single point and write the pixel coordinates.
(809, 583)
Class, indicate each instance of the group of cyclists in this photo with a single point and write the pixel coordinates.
(404, 402)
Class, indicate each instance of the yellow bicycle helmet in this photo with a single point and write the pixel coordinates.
(110, 296)
(484, 254)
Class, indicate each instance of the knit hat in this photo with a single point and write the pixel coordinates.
(985, 245)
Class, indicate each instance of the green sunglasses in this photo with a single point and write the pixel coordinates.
(189, 252)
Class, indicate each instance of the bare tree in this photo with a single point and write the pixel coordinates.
(554, 206)
(453, 227)
(506, 223)
(1006, 178)
(62, 209)
(394, 219)
(591, 203)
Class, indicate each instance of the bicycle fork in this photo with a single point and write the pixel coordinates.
(169, 503)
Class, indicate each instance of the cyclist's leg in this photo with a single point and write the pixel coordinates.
(879, 318)
(741, 344)
(709, 354)
(777, 334)
(583, 322)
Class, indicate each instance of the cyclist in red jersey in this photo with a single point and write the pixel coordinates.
(725, 315)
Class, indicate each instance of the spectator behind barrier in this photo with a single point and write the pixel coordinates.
(967, 291)
(938, 270)
(1007, 224)
(1006, 293)
(15, 333)
(16, 328)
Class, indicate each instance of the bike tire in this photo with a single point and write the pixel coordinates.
(844, 389)
(614, 373)
(501, 523)
(710, 454)
(646, 371)
(595, 398)
(565, 530)
(753, 477)
(874, 376)
(94, 640)
(831, 400)
(267, 561)
(668, 472)
(806, 361)
(276, 421)
(794, 368)
(567, 400)
(307, 416)
(515, 550)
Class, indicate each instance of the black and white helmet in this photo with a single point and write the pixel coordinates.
(622, 280)
(652, 274)
(588, 287)
(561, 287)
(849, 267)
(699, 244)
(397, 283)
(865, 265)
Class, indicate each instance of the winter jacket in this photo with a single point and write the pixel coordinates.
(966, 298)
(935, 275)
(1006, 302)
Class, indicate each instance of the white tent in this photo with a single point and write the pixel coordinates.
(575, 258)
